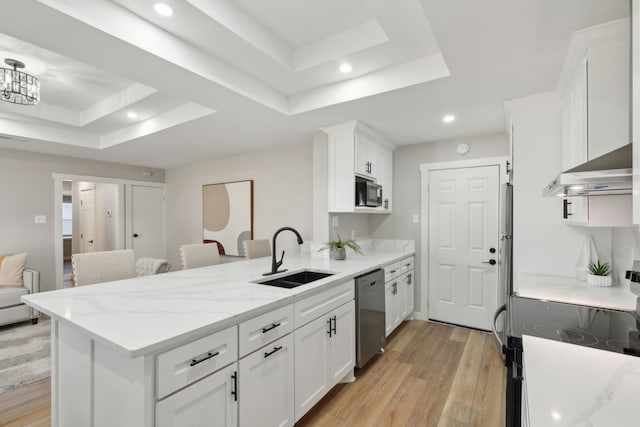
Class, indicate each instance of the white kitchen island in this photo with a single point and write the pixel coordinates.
(156, 350)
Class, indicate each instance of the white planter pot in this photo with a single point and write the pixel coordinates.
(599, 280)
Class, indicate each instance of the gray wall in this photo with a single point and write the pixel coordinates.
(406, 186)
(282, 187)
(27, 190)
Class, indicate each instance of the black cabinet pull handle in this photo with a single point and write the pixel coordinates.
(393, 271)
(409, 279)
(234, 392)
(372, 283)
(330, 328)
(209, 355)
(269, 353)
(273, 326)
(334, 325)
(408, 265)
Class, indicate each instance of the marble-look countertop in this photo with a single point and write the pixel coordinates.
(574, 291)
(148, 314)
(571, 385)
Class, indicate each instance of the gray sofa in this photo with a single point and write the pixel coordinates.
(12, 309)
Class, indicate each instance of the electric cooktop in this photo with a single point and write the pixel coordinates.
(604, 329)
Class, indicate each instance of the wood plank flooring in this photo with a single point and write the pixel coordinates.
(27, 406)
(430, 375)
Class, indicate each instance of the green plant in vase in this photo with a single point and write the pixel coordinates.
(599, 274)
(338, 248)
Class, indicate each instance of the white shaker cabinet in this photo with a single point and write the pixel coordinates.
(213, 399)
(325, 353)
(399, 293)
(355, 150)
(635, 79)
(266, 385)
(594, 88)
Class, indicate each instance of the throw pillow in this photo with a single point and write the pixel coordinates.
(11, 269)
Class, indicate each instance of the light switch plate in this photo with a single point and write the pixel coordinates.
(416, 219)
(40, 219)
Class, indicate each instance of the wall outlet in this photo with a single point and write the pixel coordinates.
(416, 218)
(40, 219)
(335, 221)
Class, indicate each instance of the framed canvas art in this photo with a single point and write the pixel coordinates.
(227, 215)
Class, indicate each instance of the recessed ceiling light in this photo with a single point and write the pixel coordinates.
(163, 9)
(448, 118)
(345, 68)
(132, 115)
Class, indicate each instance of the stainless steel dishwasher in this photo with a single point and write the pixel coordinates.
(370, 316)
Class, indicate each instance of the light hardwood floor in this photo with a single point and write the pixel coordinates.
(429, 375)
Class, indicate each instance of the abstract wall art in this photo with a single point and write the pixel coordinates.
(227, 215)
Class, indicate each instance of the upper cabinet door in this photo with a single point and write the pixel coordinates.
(361, 165)
(635, 77)
(608, 97)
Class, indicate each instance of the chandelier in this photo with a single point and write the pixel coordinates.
(18, 87)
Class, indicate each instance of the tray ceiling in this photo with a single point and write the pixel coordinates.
(214, 67)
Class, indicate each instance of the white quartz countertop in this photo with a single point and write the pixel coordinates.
(151, 313)
(574, 291)
(571, 385)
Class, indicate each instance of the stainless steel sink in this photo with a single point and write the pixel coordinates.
(295, 279)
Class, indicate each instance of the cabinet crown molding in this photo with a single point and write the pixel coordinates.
(583, 40)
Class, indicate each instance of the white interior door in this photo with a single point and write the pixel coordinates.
(147, 221)
(87, 219)
(463, 231)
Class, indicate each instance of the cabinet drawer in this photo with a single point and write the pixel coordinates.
(261, 330)
(406, 264)
(322, 303)
(392, 271)
(185, 364)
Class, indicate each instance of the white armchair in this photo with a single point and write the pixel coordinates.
(12, 309)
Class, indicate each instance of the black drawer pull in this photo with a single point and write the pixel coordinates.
(273, 326)
(372, 283)
(330, 328)
(408, 265)
(194, 362)
(393, 271)
(275, 349)
(335, 319)
(234, 392)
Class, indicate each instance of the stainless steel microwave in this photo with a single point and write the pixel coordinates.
(368, 193)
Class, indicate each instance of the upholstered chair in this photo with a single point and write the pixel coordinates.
(199, 255)
(257, 248)
(106, 266)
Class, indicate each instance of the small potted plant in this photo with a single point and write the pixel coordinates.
(599, 274)
(338, 248)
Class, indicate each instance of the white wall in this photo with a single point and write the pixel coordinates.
(283, 187)
(27, 190)
(542, 243)
(406, 187)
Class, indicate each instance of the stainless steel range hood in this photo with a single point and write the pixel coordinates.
(605, 175)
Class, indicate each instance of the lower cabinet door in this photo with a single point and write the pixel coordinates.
(409, 296)
(394, 304)
(343, 342)
(266, 389)
(388, 308)
(212, 401)
(312, 363)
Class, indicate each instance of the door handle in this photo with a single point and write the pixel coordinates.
(90, 241)
(491, 261)
(135, 234)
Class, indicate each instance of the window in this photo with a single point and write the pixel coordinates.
(67, 217)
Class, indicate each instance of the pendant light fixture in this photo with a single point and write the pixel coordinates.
(18, 87)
